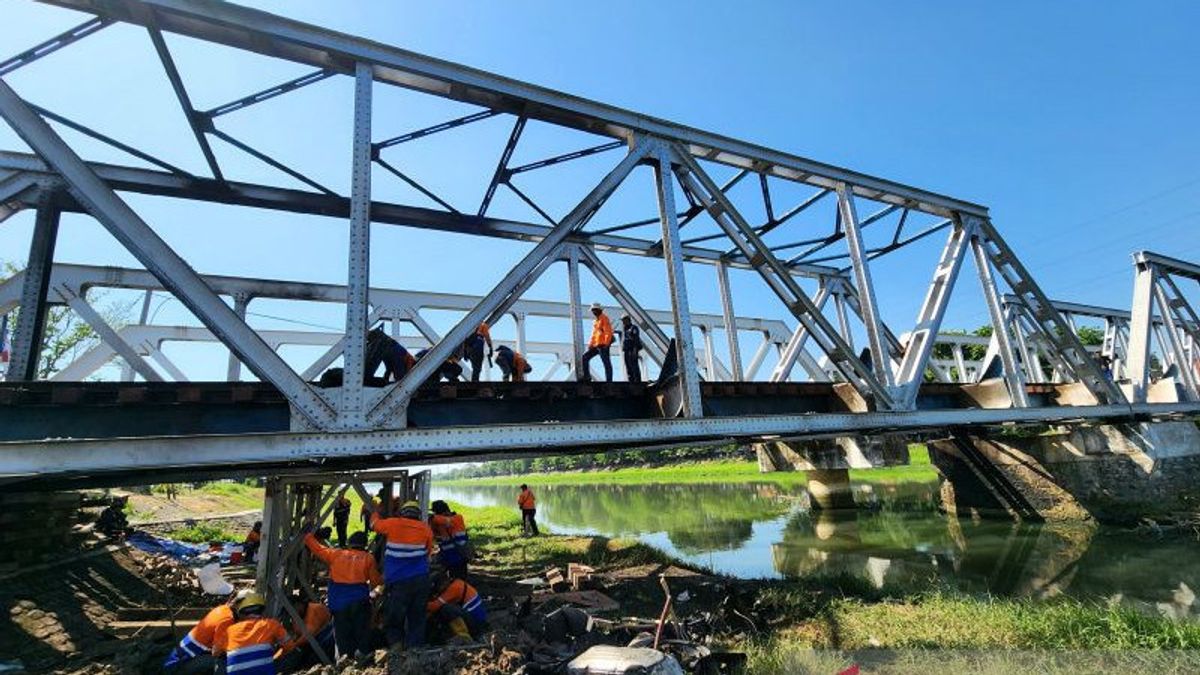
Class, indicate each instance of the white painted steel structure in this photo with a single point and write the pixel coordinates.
(886, 375)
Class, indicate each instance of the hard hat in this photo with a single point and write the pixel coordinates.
(253, 602)
(358, 540)
(242, 593)
(410, 507)
(596, 305)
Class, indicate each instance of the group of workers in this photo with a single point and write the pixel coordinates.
(397, 361)
(412, 578)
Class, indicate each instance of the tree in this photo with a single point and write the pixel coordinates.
(66, 336)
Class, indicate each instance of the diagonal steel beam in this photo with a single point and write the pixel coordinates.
(396, 400)
(658, 340)
(501, 174)
(921, 338)
(109, 140)
(268, 94)
(271, 161)
(107, 334)
(866, 287)
(693, 177)
(195, 120)
(160, 259)
(53, 44)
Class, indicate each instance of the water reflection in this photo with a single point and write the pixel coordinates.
(897, 536)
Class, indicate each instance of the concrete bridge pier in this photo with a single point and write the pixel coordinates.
(1114, 474)
(828, 461)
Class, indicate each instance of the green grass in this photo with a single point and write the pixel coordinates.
(722, 471)
(238, 495)
(203, 533)
(496, 535)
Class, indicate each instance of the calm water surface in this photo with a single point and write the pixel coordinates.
(764, 530)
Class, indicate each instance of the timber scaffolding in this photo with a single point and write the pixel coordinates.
(880, 389)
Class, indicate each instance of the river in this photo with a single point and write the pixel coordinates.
(897, 536)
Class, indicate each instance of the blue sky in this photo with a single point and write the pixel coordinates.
(1074, 122)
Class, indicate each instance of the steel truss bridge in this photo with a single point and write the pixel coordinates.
(59, 430)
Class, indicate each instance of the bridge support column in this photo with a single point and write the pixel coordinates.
(1117, 474)
(829, 489)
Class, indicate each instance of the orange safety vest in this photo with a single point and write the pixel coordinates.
(602, 332)
(409, 546)
(253, 537)
(205, 632)
(317, 619)
(526, 500)
(249, 645)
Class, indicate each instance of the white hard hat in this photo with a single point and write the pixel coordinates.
(596, 305)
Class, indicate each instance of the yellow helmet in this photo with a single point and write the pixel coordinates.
(410, 509)
(252, 601)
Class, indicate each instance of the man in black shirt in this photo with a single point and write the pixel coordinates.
(631, 346)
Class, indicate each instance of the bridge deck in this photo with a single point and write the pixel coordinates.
(135, 409)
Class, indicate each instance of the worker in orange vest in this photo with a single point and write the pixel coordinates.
(352, 576)
(193, 654)
(473, 349)
(512, 364)
(405, 573)
(253, 541)
(458, 606)
(602, 339)
(247, 646)
(528, 505)
(299, 653)
(450, 532)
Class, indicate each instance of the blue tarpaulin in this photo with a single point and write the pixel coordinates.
(176, 549)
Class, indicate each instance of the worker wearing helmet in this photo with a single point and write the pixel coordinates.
(602, 339)
(247, 646)
(193, 654)
(352, 575)
(405, 573)
(450, 531)
(457, 606)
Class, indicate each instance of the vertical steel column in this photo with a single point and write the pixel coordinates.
(731, 329)
(710, 359)
(576, 310)
(866, 288)
(688, 380)
(519, 318)
(1012, 373)
(272, 515)
(1137, 358)
(358, 279)
(233, 370)
(126, 369)
(31, 322)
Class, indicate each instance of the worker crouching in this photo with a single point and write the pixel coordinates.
(193, 654)
(317, 622)
(247, 646)
(457, 610)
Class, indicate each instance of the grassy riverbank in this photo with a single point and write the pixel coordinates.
(721, 471)
(818, 622)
